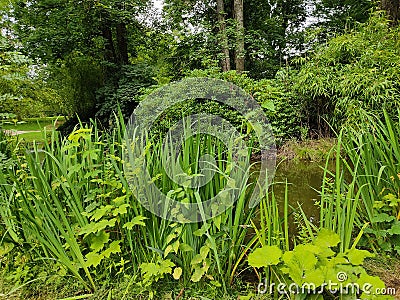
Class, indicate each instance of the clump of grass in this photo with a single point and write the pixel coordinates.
(310, 150)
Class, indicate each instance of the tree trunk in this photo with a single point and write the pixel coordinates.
(239, 51)
(226, 61)
(109, 52)
(392, 8)
(122, 44)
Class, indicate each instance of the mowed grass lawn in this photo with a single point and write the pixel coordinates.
(34, 127)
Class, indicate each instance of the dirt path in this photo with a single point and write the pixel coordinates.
(13, 132)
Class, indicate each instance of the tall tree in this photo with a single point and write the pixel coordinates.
(87, 42)
(225, 61)
(239, 47)
(274, 32)
(335, 16)
(256, 34)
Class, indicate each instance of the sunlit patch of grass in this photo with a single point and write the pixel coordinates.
(31, 137)
(33, 124)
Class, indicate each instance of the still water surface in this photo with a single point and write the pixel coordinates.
(304, 181)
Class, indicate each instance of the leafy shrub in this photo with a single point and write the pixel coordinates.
(19, 93)
(281, 107)
(7, 151)
(315, 265)
(122, 91)
(353, 72)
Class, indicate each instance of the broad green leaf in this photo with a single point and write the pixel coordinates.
(265, 256)
(167, 250)
(356, 257)
(114, 248)
(148, 271)
(95, 227)
(382, 217)
(315, 276)
(217, 222)
(373, 282)
(202, 230)
(197, 259)
(307, 248)
(197, 275)
(93, 259)
(175, 246)
(204, 251)
(306, 260)
(121, 210)
(166, 266)
(5, 248)
(395, 229)
(170, 237)
(269, 105)
(215, 283)
(99, 240)
(119, 200)
(185, 247)
(327, 238)
(101, 212)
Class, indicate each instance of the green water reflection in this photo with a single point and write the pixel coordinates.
(304, 181)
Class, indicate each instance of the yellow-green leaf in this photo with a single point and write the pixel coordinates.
(177, 273)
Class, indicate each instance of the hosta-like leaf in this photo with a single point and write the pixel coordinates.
(356, 257)
(327, 238)
(265, 256)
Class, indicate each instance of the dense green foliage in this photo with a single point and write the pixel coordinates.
(354, 72)
(374, 147)
(77, 204)
(69, 216)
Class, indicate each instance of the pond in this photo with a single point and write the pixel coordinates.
(304, 183)
(304, 180)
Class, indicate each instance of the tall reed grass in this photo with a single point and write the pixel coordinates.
(373, 151)
(69, 202)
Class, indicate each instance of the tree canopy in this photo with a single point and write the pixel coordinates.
(88, 58)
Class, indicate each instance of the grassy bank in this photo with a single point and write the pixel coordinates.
(72, 226)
